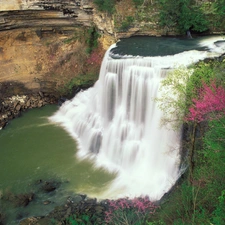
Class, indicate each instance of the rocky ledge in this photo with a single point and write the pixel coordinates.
(43, 193)
(78, 208)
(51, 13)
(11, 107)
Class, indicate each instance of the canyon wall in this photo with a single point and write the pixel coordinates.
(43, 43)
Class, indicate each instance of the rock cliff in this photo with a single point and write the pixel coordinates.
(37, 13)
(44, 43)
(36, 37)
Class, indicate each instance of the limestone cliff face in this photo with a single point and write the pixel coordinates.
(35, 13)
(43, 43)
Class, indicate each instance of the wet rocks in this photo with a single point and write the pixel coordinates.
(19, 200)
(2, 218)
(11, 107)
(79, 207)
(24, 199)
(49, 186)
(76, 207)
(30, 221)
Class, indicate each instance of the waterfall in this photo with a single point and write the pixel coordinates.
(117, 124)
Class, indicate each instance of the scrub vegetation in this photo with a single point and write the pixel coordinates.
(80, 66)
(199, 197)
(171, 16)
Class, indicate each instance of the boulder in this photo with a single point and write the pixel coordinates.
(28, 103)
(41, 94)
(18, 107)
(23, 199)
(18, 200)
(49, 186)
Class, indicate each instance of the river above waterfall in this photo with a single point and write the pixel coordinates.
(162, 46)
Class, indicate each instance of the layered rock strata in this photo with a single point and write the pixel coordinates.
(13, 106)
(46, 14)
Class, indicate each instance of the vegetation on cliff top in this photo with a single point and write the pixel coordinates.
(80, 65)
(170, 16)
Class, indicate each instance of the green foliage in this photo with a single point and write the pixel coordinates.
(128, 216)
(183, 14)
(159, 222)
(79, 35)
(106, 5)
(215, 138)
(92, 39)
(220, 7)
(89, 36)
(126, 24)
(204, 72)
(219, 212)
(200, 201)
(172, 100)
(138, 2)
(213, 153)
(79, 220)
(53, 221)
(129, 211)
(78, 82)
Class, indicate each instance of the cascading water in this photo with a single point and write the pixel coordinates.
(117, 124)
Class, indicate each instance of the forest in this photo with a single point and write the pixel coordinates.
(170, 15)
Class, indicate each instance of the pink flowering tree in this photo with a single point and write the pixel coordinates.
(129, 211)
(209, 105)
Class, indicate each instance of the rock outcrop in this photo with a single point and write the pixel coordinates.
(12, 107)
(42, 42)
(37, 13)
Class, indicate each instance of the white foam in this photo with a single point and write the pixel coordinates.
(117, 123)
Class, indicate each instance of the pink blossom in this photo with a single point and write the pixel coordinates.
(139, 206)
(209, 105)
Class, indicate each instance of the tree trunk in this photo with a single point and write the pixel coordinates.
(191, 153)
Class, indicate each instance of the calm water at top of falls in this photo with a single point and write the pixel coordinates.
(33, 148)
(155, 46)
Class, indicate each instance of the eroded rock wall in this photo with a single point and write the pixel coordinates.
(36, 13)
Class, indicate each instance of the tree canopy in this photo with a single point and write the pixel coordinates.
(183, 14)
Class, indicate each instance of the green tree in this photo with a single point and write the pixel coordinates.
(173, 95)
(220, 7)
(106, 5)
(183, 14)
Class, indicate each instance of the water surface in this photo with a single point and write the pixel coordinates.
(161, 46)
(32, 149)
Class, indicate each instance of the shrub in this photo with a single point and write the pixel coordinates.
(126, 24)
(138, 2)
(182, 14)
(129, 212)
(105, 5)
(209, 105)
